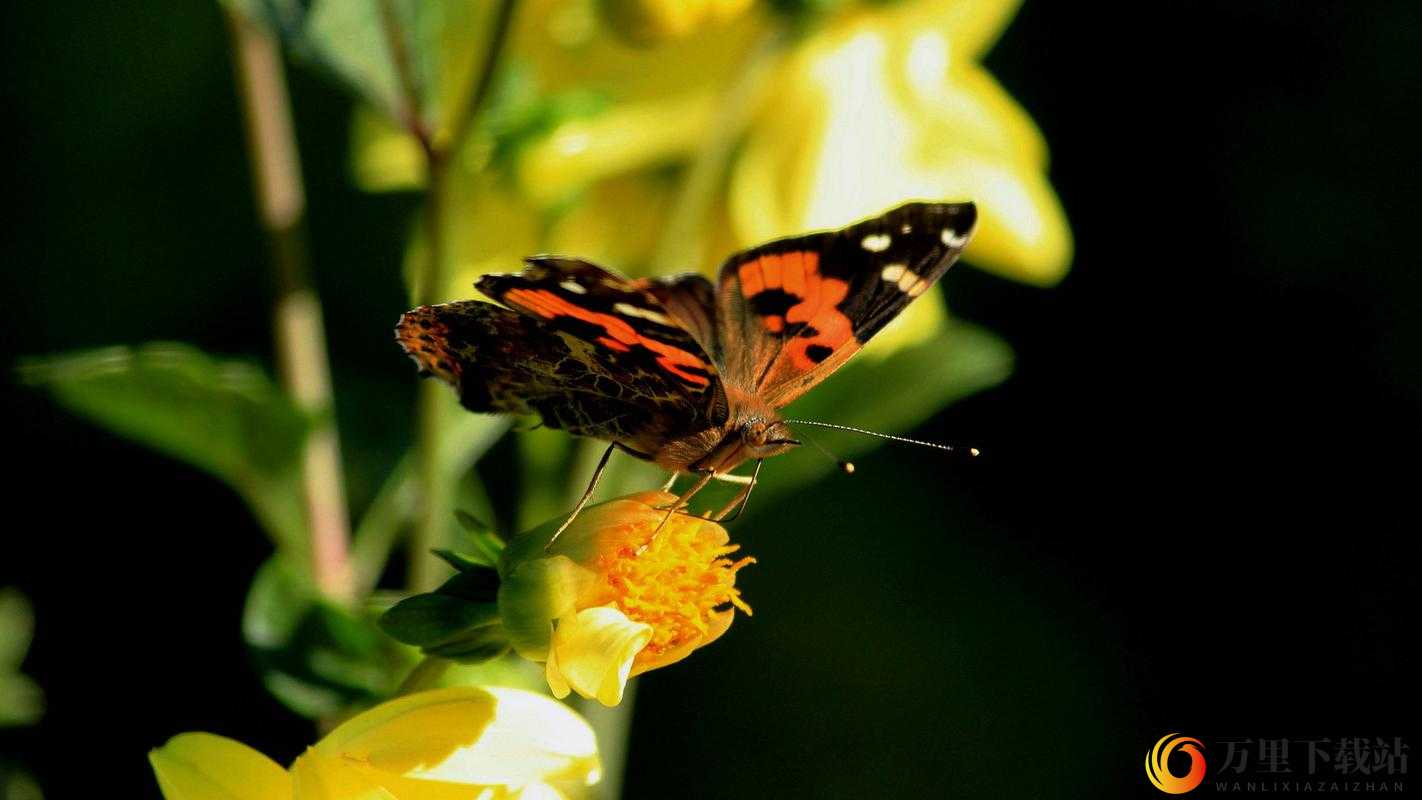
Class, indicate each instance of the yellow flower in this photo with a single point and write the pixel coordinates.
(613, 596)
(890, 104)
(438, 745)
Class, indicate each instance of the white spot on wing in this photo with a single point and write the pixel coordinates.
(574, 287)
(629, 310)
(907, 281)
(953, 238)
(906, 229)
(893, 272)
(876, 242)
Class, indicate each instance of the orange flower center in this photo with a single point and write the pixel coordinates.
(676, 581)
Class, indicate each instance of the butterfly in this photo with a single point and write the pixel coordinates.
(676, 370)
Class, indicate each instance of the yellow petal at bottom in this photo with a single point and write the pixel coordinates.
(592, 653)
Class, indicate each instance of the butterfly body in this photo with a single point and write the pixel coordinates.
(675, 370)
(753, 432)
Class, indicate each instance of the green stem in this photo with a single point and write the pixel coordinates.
(298, 330)
(411, 112)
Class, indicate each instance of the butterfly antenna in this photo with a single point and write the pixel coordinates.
(847, 467)
(971, 451)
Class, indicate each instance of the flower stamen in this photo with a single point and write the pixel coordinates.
(678, 578)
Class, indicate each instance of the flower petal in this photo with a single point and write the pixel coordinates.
(973, 25)
(553, 673)
(412, 732)
(719, 624)
(320, 777)
(1022, 231)
(594, 650)
(876, 111)
(467, 736)
(580, 541)
(203, 766)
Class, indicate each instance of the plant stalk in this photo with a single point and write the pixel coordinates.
(433, 513)
(299, 334)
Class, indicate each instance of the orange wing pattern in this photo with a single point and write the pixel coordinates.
(606, 309)
(815, 297)
(618, 333)
(792, 311)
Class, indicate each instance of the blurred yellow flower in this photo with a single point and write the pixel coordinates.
(613, 596)
(445, 744)
(888, 104)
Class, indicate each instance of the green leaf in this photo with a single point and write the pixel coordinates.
(429, 620)
(458, 621)
(475, 586)
(225, 417)
(318, 659)
(474, 646)
(21, 701)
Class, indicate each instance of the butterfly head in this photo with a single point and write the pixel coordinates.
(763, 438)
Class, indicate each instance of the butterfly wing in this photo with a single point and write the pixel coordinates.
(790, 312)
(617, 314)
(690, 300)
(502, 360)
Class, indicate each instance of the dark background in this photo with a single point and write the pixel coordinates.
(1193, 514)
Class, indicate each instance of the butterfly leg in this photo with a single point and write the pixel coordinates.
(681, 502)
(720, 476)
(743, 497)
(732, 478)
(587, 495)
